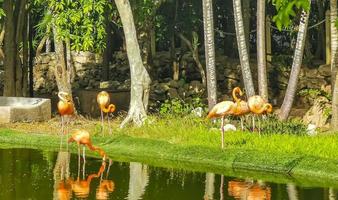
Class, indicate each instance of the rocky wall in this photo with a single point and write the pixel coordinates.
(88, 76)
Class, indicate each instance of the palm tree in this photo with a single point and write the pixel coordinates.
(209, 52)
(296, 65)
(261, 52)
(242, 48)
(140, 80)
(334, 61)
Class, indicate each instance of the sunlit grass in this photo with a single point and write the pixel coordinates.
(194, 143)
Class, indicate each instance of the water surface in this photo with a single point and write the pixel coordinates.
(35, 174)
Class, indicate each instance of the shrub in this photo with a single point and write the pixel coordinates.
(271, 125)
(180, 107)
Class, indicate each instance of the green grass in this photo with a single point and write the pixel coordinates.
(194, 144)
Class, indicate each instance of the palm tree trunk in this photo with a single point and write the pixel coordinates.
(140, 80)
(246, 23)
(296, 65)
(209, 44)
(320, 48)
(261, 52)
(334, 61)
(242, 48)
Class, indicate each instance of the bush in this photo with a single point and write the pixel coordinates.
(271, 125)
(180, 107)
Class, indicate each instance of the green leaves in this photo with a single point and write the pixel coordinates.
(81, 21)
(286, 10)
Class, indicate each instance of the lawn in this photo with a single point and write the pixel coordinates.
(194, 144)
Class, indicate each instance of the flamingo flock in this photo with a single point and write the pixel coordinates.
(255, 105)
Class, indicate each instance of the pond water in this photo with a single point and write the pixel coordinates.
(34, 174)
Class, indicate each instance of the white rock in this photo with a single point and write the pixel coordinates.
(311, 130)
(198, 112)
(229, 127)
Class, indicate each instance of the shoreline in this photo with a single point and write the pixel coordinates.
(280, 168)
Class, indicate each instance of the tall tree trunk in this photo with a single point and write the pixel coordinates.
(209, 44)
(261, 52)
(175, 65)
(2, 36)
(246, 23)
(140, 80)
(25, 57)
(62, 73)
(296, 65)
(14, 24)
(31, 56)
(9, 49)
(107, 54)
(320, 48)
(334, 62)
(242, 48)
(19, 39)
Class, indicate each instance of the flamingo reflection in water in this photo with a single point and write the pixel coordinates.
(106, 186)
(81, 188)
(248, 190)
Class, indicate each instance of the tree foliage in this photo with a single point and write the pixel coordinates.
(286, 10)
(81, 21)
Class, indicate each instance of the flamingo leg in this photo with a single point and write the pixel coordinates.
(222, 128)
(259, 125)
(108, 123)
(253, 123)
(78, 160)
(101, 121)
(242, 123)
(84, 154)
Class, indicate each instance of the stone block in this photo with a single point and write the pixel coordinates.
(21, 109)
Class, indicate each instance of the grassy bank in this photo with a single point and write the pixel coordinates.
(195, 145)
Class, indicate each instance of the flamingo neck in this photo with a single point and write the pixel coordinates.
(91, 147)
(62, 95)
(110, 108)
(265, 107)
(236, 91)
